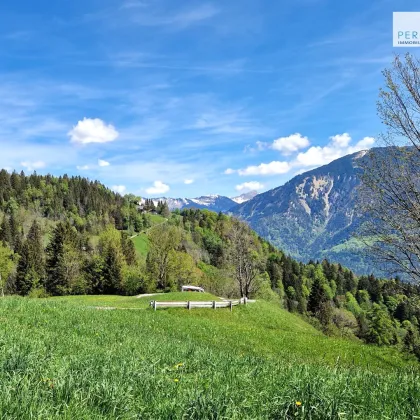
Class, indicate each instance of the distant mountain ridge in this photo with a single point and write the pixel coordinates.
(212, 202)
(314, 215)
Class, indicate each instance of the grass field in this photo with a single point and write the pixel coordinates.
(62, 359)
(141, 241)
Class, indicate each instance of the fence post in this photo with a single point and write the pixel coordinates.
(214, 304)
(231, 306)
(189, 305)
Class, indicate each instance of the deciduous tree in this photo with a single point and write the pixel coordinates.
(391, 181)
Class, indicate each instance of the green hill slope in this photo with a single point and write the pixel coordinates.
(68, 360)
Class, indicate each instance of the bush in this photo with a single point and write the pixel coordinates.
(265, 292)
(345, 322)
(134, 281)
(38, 293)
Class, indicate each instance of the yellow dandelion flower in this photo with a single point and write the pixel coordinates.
(298, 403)
(176, 380)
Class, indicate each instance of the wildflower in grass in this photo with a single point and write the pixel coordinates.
(176, 380)
(298, 403)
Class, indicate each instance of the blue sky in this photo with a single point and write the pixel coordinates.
(183, 98)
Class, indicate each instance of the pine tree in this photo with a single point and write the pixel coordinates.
(112, 272)
(165, 212)
(31, 267)
(5, 235)
(57, 280)
(318, 303)
(14, 232)
(128, 249)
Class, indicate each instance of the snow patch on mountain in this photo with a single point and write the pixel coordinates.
(212, 202)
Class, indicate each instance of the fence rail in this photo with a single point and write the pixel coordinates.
(204, 304)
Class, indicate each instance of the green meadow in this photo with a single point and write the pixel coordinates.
(141, 241)
(61, 358)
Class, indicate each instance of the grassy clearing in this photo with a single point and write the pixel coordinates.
(157, 219)
(141, 243)
(60, 359)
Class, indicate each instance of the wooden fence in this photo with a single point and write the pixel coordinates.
(205, 304)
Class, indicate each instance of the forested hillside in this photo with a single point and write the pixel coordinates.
(64, 236)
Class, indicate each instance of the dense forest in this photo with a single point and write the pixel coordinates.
(68, 235)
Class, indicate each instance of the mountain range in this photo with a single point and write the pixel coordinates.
(212, 202)
(315, 215)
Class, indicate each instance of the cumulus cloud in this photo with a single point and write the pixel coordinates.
(158, 188)
(341, 140)
(272, 168)
(249, 186)
(31, 166)
(103, 163)
(290, 144)
(188, 181)
(119, 189)
(365, 143)
(338, 146)
(92, 130)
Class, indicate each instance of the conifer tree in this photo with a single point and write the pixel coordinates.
(165, 212)
(318, 303)
(14, 232)
(112, 272)
(128, 249)
(57, 281)
(31, 267)
(5, 235)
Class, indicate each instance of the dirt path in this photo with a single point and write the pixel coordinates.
(147, 295)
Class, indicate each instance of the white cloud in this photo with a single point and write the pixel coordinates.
(119, 188)
(92, 131)
(338, 146)
(158, 188)
(290, 144)
(103, 163)
(188, 181)
(341, 140)
(31, 166)
(229, 171)
(249, 186)
(272, 168)
(365, 143)
(83, 167)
